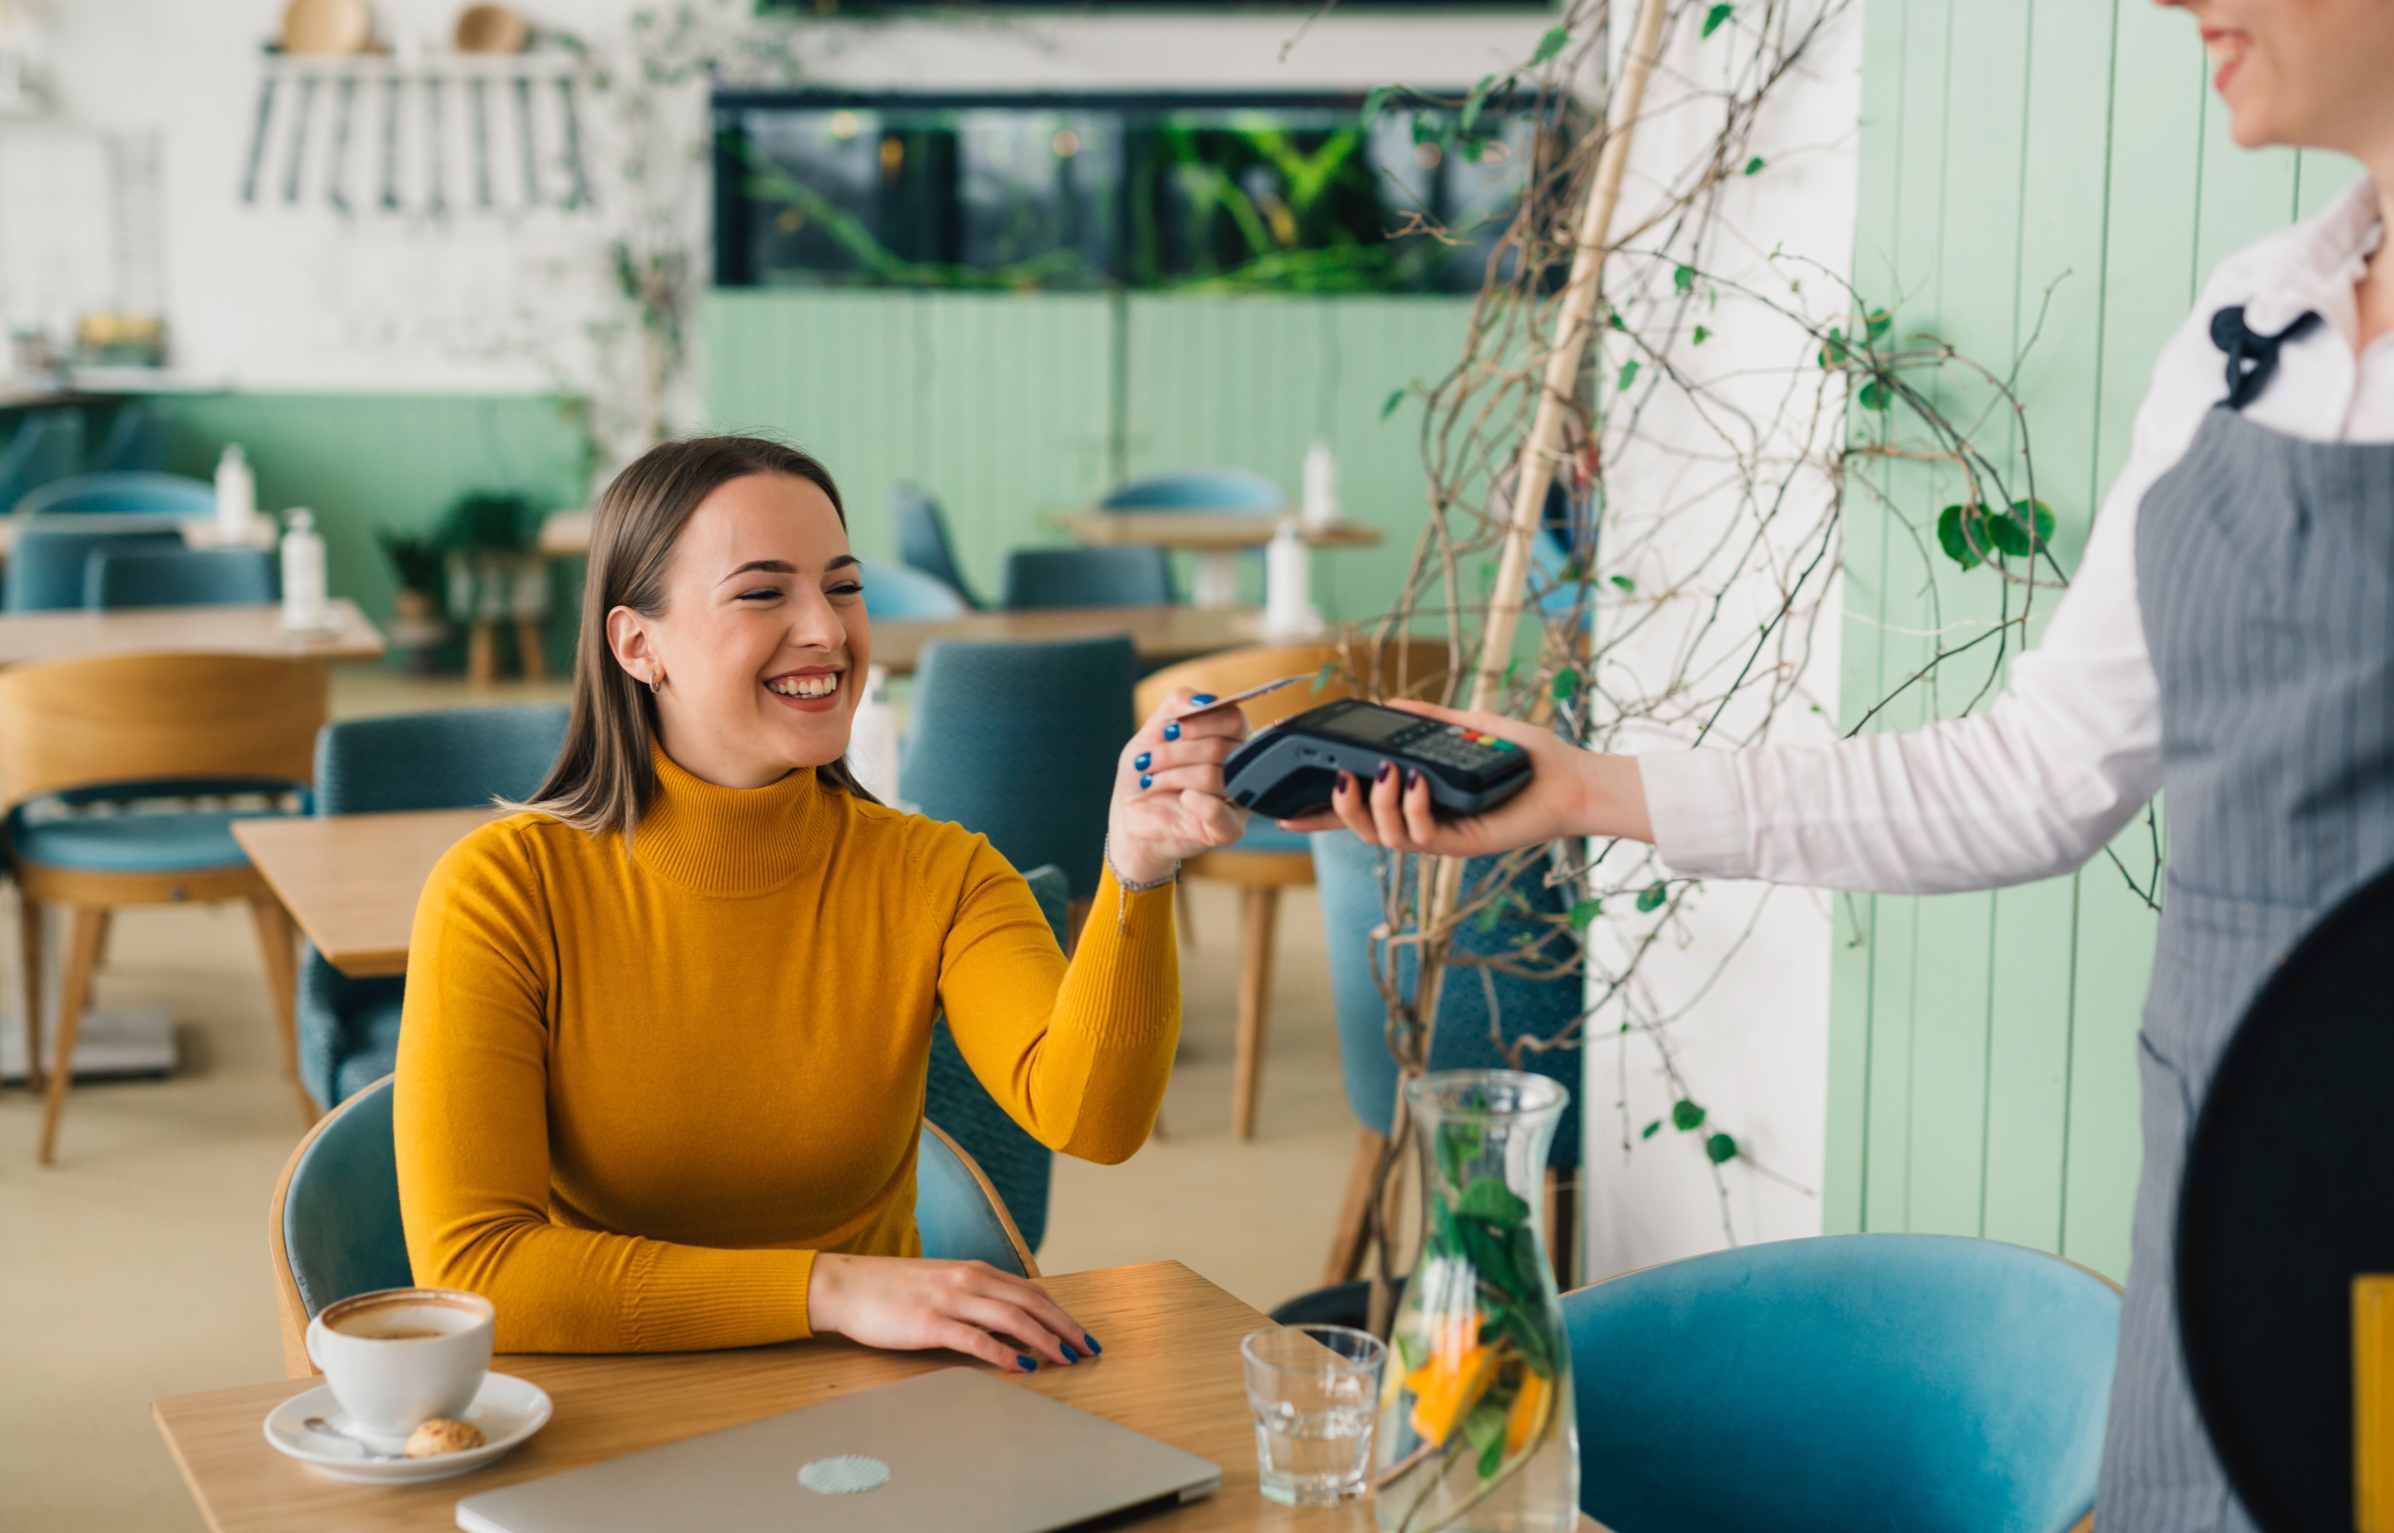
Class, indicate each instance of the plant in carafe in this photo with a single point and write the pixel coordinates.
(1476, 1424)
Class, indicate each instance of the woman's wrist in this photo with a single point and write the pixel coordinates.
(1134, 869)
(1611, 798)
(823, 1293)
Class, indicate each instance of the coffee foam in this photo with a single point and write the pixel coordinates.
(412, 1317)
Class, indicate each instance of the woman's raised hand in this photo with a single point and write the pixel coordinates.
(908, 1304)
(1168, 802)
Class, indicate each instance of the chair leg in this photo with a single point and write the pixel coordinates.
(278, 943)
(1351, 1236)
(1259, 908)
(528, 651)
(482, 652)
(29, 951)
(83, 958)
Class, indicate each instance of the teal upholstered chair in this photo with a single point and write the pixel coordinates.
(49, 568)
(1217, 489)
(455, 758)
(162, 495)
(180, 577)
(46, 448)
(1019, 741)
(1842, 1382)
(334, 1226)
(923, 541)
(136, 442)
(902, 593)
(1040, 578)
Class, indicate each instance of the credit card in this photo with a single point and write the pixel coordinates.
(1252, 692)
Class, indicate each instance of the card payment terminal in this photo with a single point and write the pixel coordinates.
(1286, 772)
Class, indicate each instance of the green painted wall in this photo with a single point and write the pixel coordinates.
(1014, 410)
(1982, 1071)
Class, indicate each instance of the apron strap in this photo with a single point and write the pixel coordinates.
(2252, 356)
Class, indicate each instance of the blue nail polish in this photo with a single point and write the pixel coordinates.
(1091, 1343)
(1070, 1356)
(1028, 1364)
(1140, 765)
(1202, 698)
(1171, 731)
(1146, 782)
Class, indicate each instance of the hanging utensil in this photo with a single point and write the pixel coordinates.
(523, 123)
(436, 129)
(480, 102)
(578, 194)
(257, 137)
(390, 144)
(344, 107)
(495, 29)
(299, 140)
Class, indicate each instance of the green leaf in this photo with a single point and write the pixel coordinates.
(2021, 530)
(1629, 375)
(1551, 44)
(1624, 583)
(1875, 323)
(1474, 103)
(1754, 166)
(1700, 337)
(1720, 1148)
(1457, 1144)
(1489, 1256)
(1953, 540)
(1389, 405)
(1484, 1429)
(1652, 897)
(1832, 352)
(1875, 395)
(1566, 684)
(1375, 101)
(1429, 128)
(1714, 17)
(1686, 1116)
(1652, 1129)
(1682, 279)
(1489, 1198)
(1614, 319)
(1321, 678)
(1492, 1457)
(1585, 911)
(1473, 148)
(1413, 1349)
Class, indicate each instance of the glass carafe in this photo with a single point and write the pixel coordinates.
(1476, 1425)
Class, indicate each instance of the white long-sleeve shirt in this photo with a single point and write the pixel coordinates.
(2041, 781)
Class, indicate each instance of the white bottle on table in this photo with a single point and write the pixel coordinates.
(236, 495)
(1288, 586)
(306, 607)
(1319, 506)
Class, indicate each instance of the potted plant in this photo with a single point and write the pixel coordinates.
(417, 627)
(495, 576)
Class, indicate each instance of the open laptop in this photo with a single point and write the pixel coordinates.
(963, 1450)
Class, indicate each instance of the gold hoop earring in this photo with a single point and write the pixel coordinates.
(654, 682)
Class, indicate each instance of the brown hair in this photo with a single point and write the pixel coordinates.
(606, 777)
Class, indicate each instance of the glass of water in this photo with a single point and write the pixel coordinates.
(1315, 1391)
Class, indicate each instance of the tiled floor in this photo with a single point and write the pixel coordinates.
(137, 1266)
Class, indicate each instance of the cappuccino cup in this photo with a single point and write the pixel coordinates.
(399, 1356)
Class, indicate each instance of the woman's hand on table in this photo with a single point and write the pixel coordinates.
(1168, 803)
(1572, 792)
(911, 1304)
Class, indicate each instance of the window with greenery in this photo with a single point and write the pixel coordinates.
(1271, 193)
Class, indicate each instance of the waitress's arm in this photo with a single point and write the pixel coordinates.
(2034, 786)
(1077, 1053)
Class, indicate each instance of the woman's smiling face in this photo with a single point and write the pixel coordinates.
(2311, 73)
(763, 640)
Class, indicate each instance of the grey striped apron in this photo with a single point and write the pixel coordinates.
(2265, 575)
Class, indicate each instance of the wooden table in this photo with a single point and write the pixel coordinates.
(565, 534)
(1170, 1370)
(197, 531)
(1159, 634)
(82, 634)
(1217, 538)
(350, 880)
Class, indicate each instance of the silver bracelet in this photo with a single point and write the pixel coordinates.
(1124, 884)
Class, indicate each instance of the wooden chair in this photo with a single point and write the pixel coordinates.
(166, 719)
(1269, 859)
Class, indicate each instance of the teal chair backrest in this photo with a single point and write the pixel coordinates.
(181, 577)
(1019, 741)
(43, 450)
(1038, 579)
(1213, 489)
(342, 1233)
(167, 495)
(136, 442)
(1844, 1382)
(923, 541)
(49, 567)
(900, 593)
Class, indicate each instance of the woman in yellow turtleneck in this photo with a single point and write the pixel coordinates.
(661, 1069)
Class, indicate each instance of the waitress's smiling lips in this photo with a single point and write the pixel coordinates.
(2227, 50)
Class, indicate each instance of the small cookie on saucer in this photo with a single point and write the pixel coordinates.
(442, 1435)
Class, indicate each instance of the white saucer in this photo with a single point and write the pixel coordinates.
(507, 1409)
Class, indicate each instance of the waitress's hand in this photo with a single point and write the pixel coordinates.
(1571, 793)
(911, 1304)
(1168, 803)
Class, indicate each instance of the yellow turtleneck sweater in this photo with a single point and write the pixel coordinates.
(637, 1094)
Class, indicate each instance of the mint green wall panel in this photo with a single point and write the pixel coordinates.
(1982, 1048)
